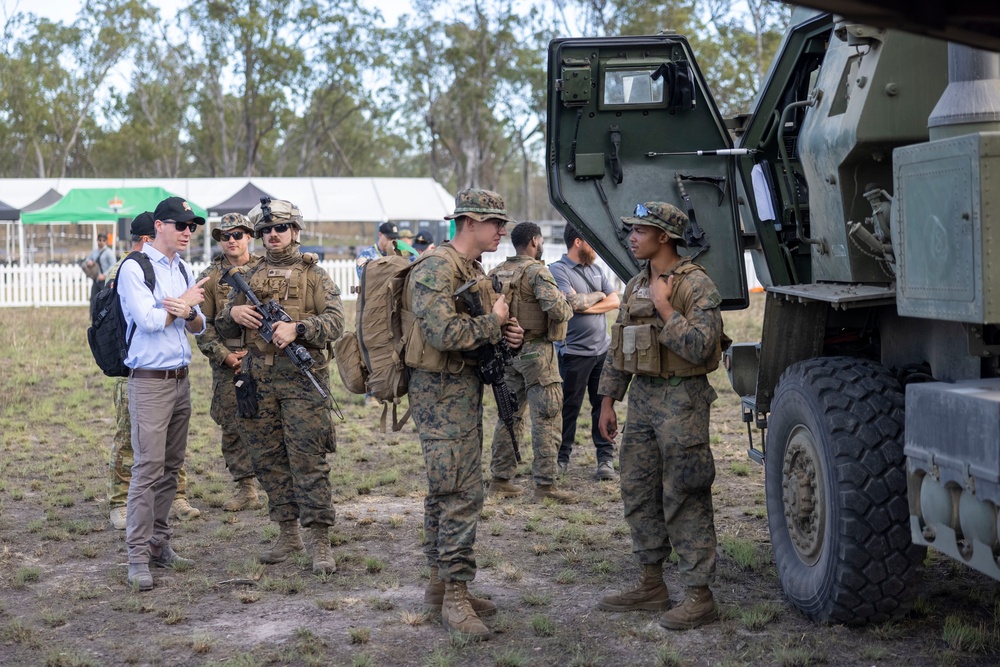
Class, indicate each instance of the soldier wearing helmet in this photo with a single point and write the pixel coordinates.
(665, 342)
(292, 431)
(234, 235)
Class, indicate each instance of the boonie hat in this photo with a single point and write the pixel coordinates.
(388, 230)
(231, 221)
(143, 225)
(274, 212)
(178, 210)
(661, 215)
(406, 233)
(422, 240)
(480, 205)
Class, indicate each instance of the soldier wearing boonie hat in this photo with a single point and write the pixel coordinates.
(231, 222)
(665, 216)
(446, 399)
(292, 430)
(225, 354)
(667, 338)
(479, 205)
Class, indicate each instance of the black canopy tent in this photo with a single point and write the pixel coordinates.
(241, 202)
(8, 212)
(46, 200)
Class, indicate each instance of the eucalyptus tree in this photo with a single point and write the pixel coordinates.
(298, 67)
(469, 83)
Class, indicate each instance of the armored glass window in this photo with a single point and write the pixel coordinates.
(632, 87)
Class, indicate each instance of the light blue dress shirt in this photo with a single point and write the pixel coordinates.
(155, 346)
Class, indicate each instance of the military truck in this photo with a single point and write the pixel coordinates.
(865, 185)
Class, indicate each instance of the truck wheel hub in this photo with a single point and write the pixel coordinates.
(802, 493)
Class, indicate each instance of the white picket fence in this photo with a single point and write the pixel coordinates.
(37, 285)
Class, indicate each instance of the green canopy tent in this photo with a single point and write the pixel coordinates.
(101, 205)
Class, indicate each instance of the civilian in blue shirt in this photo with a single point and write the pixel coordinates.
(158, 388)
(581, 357)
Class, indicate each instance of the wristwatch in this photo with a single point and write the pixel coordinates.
(300, 329)
(194, 314)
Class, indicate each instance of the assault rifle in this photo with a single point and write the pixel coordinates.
(272, 313)
(493, 359)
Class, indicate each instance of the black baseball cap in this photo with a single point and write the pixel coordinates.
(422, 240)
(178, 210)
(143, 225)
(389, 230)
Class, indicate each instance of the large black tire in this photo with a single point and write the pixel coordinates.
(836, 492)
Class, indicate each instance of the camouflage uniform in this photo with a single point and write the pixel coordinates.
(223, 410)
(667, 467)
(122, 457)
(534, 376)
(289, 438)
(447, 403)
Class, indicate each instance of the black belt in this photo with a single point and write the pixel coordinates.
(173, 374)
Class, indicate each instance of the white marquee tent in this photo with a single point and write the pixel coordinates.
(321, 199)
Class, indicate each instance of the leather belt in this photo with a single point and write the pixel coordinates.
(173, 374)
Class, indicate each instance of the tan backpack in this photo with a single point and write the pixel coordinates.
(370, 358)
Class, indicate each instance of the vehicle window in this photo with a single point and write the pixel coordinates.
(631, 87)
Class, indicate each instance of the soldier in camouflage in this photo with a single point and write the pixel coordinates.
(142, 231)
(538, 306)
(225, 355)
(292, 432)
(667, 338)
(446, 398)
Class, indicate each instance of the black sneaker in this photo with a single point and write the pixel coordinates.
(169, 558)
(605, 470)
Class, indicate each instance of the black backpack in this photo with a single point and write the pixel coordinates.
(106, 334)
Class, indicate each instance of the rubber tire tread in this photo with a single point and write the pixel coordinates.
(869, 569)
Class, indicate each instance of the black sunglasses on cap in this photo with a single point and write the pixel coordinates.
(238, 236)
(277, 229)
(181, 226)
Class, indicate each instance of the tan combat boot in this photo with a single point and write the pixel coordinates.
(457, 614)
(503, 488)
(289, 541)
(434, 597)
(651, 594)
(245, 498)
(323, 561)
(697, 609)
(543, 491)
(181, 509)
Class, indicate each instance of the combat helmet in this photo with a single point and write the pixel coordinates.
(274, 212)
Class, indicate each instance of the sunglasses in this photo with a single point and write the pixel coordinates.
(640, 211)
(237, 236)
(181, 226)
(277, 229)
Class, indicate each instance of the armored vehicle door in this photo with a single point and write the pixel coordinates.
(630, 120)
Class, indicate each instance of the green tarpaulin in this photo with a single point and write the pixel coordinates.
(102, 205)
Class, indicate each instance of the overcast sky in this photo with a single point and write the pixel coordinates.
(65, 10)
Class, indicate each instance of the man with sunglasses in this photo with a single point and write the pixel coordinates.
(667, 338)
(292, 431)
(159, 393)
(225, 354)
(142, 231)
(446, 399)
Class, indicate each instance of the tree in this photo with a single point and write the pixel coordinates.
(469, 90)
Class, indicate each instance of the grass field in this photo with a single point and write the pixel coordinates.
(64, 599)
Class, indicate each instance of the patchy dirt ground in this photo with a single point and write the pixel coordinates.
(64, 599)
